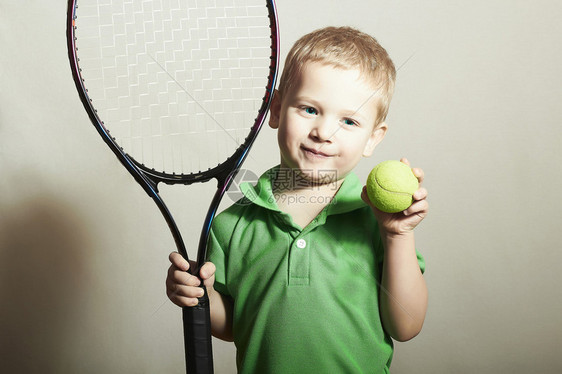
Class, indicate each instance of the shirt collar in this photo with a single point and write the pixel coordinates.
(348, 197)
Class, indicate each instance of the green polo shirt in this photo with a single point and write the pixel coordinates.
(305, 300)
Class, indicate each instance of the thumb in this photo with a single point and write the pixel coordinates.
(207, 273)
(365, 197)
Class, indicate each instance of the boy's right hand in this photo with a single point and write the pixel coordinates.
(183, 288)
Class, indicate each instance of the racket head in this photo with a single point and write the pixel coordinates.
(177, 88)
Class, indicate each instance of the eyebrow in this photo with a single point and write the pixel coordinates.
(305, 98)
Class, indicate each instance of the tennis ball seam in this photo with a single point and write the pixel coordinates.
(384, 189)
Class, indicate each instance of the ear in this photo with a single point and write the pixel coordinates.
(275, 110)
(375, 138)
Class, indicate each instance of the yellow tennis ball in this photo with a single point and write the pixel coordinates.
(390, 186)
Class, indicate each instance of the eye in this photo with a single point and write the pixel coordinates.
(310, 110)
(349, 122)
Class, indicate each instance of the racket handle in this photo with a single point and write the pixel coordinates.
(197, 337)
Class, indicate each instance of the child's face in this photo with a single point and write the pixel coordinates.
(326, 122)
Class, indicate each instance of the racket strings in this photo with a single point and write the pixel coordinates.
(178, 83)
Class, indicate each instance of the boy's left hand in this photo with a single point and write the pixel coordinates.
(402, 222)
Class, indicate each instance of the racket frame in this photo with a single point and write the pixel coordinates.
(149, 179)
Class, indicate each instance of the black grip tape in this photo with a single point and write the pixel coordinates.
(197, 337)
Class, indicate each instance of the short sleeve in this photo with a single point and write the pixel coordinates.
(421, 261)
(218, 257)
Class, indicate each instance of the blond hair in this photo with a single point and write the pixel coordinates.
(345, 48)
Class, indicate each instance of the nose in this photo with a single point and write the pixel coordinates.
(323, 130)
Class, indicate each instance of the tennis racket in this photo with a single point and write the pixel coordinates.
(178, 89)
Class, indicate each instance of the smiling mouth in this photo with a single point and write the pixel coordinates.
(314, 152)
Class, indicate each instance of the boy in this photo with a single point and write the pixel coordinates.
(305, 275)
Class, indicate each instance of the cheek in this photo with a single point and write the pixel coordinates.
(282, 134)
(285, 139)
(353, 149)
(290, 131)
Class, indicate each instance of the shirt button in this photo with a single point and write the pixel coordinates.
(301, 243)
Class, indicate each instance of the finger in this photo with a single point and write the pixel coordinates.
(418, 173)
(178, 261)
(183, 295)
(420, 207)
(184, 301)
(367, 200)
(177, 276)
(179, 290)
(420, 194)
(364, 195)
(207, 270)
(186, 279)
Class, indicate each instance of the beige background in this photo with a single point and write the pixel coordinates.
(83, 252)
